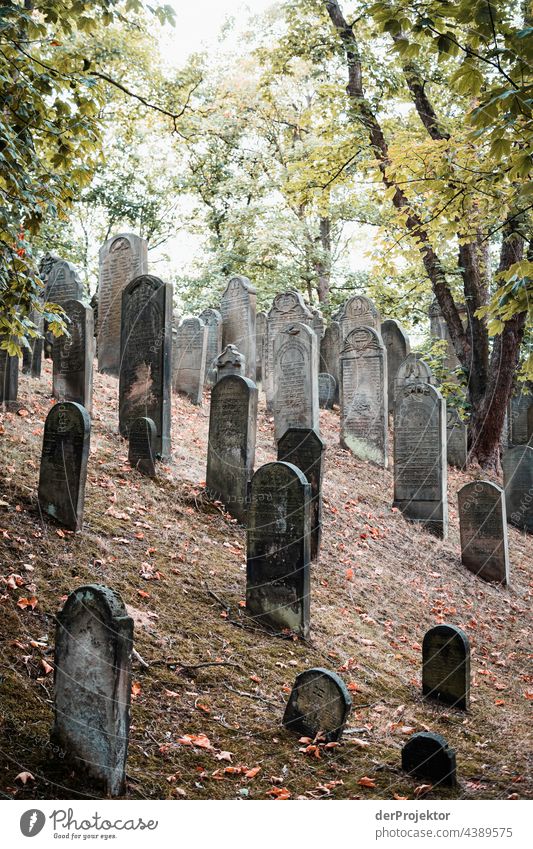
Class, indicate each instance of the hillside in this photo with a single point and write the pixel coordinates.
(179, 563)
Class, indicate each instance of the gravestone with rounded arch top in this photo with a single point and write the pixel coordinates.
(141, 446)
(446, 666)
(72, 356)
(327, 389)
(428, 756)
(303, 448)
(483, 527)
(397, 345)
(213, 321)
(319, 704)
(188, 364)
(287, 308)
(358, 311)
(456, 439)
(414, 369)
(295, 379)
(330, 354)
(238, 308)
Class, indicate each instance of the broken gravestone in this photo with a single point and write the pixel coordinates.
(303, 447)
(141, 450)
(428, 756)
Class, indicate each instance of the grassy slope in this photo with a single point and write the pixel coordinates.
(379, 585)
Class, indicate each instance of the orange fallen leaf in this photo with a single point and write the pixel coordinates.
(135, 689)
(279, 793)
(143, 594)
(252, 772)
(353, 688)
(365, 781)
(23, 777)
(423, 790)
(171, 694)
(349, 574)
(60, 533)
(46, 666)
(23, 603)
(199, 740)
(499, 702)
(23, 413)
(255, 678)
(223, 756)
(203, 708)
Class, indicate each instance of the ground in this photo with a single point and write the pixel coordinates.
(179, 563)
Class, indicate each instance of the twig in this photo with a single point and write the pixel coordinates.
(251, 696)
(140, 659)
(212, 663)
(217, 598)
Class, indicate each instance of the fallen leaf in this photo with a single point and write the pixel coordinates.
(223, 756)
(423, 790)
(27, 602)
(135, 689)
(46, 666)
(367, 782)
(252, 772)
(279, 793)
(198, 740)
(23, 777)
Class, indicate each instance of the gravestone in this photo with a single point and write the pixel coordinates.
(428, 756)
(438, 329)
(63, 283)
(319, 326)
(358, 311)
(420, 468)
(446, 666)
(33, 355)
(231, 447)
(230, 361)
(122, 258)
(303, 448)
(141, 446)
(414, 369)
(330, 353)
(64, 458)
(327, 389)
(188, 366)
(213, 321)
(456, 439)
(483, 526)
(94, 642)
(397, 345)
(72, 357)
(521, 417)
(295, 379)
(145, 358)
(319, 703)
(237, 306)
(279, 548)
(364, 419)
(287, 308)
(260, 335)
(517, 464)
(9, 378)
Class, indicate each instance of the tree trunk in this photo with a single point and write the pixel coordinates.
(323, 263)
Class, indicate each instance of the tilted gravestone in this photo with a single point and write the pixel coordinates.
(188, 364)
(9, 378)
(122, 258)
(295, 379)
(287, 308)
(141, 446)
(414, 369)
(330, 354)
(94, 642)
(428, 756)
(446, 666)
(279, 548)
(63, 283)
(358, 311)
(420, 468)
(303, 448)
(521, 418)
(517, 464)
(260, 335)
(364, 419)
(213, 321)
(319, 704)
(456, 440)
(483, 527)
(238, 306)
(327, 389)
(231, 447)
(64, 464)
(230, 361)
(145, 358)
(72, 357)
(397, 345)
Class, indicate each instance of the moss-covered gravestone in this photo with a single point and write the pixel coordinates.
(238, 307)
(189, 359)
(303, 447)
(517, 466)
(397, 345)
(295, 379)
(429, 756)
(327, 389)
(319, 703)
(446, 666)
(9, 378)
(72, 356)
(142, 453)
(483, 525)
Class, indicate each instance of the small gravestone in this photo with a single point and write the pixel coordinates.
(122, 258)
(517, 466)
(230, 361)
(72, 356)
(64, 464)
(231, 447)
(358, 311)
(319, 327)
(446, 666)
(63, 283)
(397, 345)
(303, 448)
(287, 308)
(189, 356)
(330, 355)
(420, 467)
(521, 417)
(364, 419)
(279, 548)
(483, 526)
(428, 756)
(327, 389)
(414, 369)
(319, 704)
(94, 642)
(295, 379)
(260, 334)
(213, 321)
(238, 306)
(9, 378)
(456, 439)
(141, 451)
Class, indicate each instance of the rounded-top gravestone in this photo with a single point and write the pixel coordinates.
(319, 704)
(446, 666)
(427, 755)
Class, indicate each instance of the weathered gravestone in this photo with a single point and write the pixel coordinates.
(73, 355)
(319, 327)
(64, 464)
(414, 369)
(483, 526)
(279, 548)
(287, 308)
(9, 378)
(213, 321)
(295, 379)
(456, 439)
(260, 336)
(397, 345)
(420, 468)
(94, 641)
(32, 355)
(237, 306)
(327, 389)
(303, 448)
(141, 446)
(122, 258)
(330, 353)
(364, 419)
(517, 466)
(231, 447)
(63, 282)
(358, 311)
(521, 417)
(230, 361)
(439, 330)
(428, 756)
(319, 704)
(145, 358)
(446, 666)
(188, 365)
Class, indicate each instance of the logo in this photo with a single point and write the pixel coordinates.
(32, 822)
